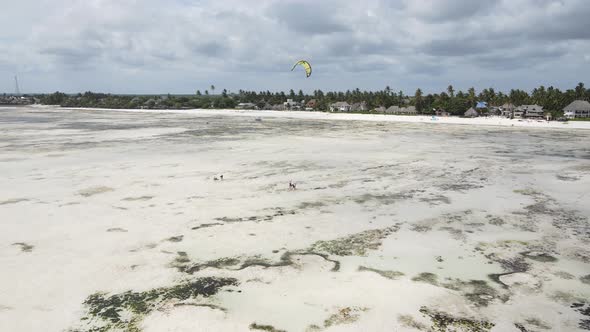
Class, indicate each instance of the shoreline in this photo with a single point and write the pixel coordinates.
(312, 115)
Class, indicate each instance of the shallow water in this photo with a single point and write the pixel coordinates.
(447, 208)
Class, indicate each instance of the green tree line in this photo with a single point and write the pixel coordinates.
(455, 102)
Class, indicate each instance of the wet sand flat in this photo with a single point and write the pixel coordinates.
(112, 221)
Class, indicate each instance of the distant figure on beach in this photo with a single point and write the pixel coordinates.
(292, 185)
(215, 178)
(221, 177)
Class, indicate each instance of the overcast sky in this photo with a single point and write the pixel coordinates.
(179, 46)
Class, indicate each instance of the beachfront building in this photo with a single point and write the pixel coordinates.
(340, 106)
(441, 112)
(359, 107)
(471, 113)
(577, 109)
(246, 106)
(380, 109)
(311, 105)
(529, 112)
(392, 110)
(290, 104)
(507, 110)
(410, 110)
(493, 110)
(279, 107)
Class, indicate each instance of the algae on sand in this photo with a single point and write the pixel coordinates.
(344, 316)
(126, 310)
(355, 244)
(427, 277)
(94, 191)
(386, 274)
(24, 247)
(260, 327)
(443, 322)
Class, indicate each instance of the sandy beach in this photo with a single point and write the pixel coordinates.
(113, 221)
(305, 115)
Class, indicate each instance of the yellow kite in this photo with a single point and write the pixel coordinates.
(305, 65)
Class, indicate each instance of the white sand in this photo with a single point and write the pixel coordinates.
(480, 121)
(98, 195)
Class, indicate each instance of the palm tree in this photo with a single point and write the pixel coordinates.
(471, 93)
(418, 100)
(451, 91)
(212, 89)
(580, 90)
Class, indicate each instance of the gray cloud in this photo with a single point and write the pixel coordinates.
(128, 45)
(308, 17)
(450, 10)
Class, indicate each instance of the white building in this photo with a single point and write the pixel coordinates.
(577, 109)
(291, 104)
(529, 111)
(340, 106)
(246, 106)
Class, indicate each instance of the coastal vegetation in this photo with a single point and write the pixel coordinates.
(455, 102)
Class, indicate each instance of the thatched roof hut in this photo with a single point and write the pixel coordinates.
(471, 113)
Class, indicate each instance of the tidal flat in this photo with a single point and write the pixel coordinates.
(164, 221)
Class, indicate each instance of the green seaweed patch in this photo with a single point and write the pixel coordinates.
(566, 275)
(583, 308)
(356, 244)
(496, 221)
(220, 263)
(181, 260)
(175, 238)
(346, 315)
(513, 264)
(207, 225)
(236, 264)
(539, 256)
(457, 234)
(443, 322)
(257, 219)
(479, 292)
(385, 199)
(116, 230)
(126, 310)
(268, 328)
(427, 277)
(204, 305)
(410, 322)
(585, 279)
(14, 201)
(141, 198)
(393, 275)
(311, 205)
(421, 228)
(536, 322)
(528, 192)
(88, 192)
(24, 247)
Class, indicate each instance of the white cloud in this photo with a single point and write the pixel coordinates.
(183, 45)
